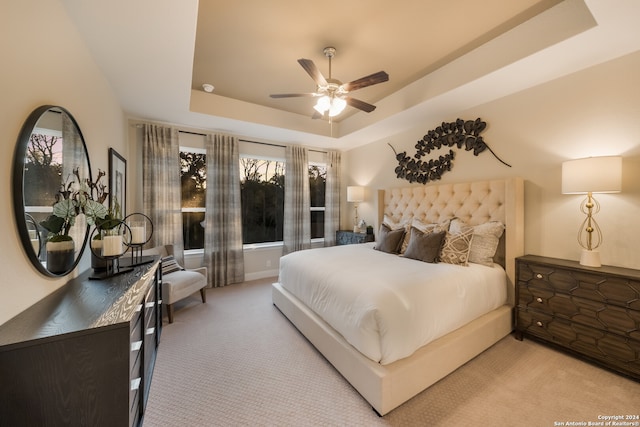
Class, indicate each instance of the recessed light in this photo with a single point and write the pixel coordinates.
(207, 87)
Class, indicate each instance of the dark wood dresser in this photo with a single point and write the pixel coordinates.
(83, 355)
(593, 313)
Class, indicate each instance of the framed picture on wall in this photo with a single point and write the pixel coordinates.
(117, 183)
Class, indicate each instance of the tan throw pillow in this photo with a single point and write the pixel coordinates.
(486, 238)
(424, 246)
(430, 227)
(389, 240)
(456, 247)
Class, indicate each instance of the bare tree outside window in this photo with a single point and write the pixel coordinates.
(317, 186)
(262, 189)
(193, 180)
(262, 192)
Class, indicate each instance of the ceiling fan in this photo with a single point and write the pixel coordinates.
(332, 93)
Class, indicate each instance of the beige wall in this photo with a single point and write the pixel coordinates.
(44, 61)
(591, 113)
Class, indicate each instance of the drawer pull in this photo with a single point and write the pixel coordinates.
(159, 301)
(150, 304)
(136, 345)
(539, 323)
(539, 299)
(538, 276)
(135, 384)
(150, 331)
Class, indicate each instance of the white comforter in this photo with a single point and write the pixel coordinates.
(385, 305)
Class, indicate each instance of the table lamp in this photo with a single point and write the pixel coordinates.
(355, 195)
(588, 176)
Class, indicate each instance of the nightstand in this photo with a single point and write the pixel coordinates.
(346, 237)
(592, 313)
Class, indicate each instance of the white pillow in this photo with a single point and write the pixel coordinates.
(485, 239)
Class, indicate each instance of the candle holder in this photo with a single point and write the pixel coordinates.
(141, 228)
(111, 249)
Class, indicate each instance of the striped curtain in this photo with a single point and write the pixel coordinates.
(223, 253)
(332, 198)
(74, 155)
(162, 199)
(297, 200)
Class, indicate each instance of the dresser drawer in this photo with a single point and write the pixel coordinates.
(588, 284)
(596, 314)
(615, 351)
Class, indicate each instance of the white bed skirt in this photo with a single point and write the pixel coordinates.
(387, 387)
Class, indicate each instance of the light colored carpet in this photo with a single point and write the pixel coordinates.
(237, 361)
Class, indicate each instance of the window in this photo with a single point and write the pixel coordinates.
(193, 181)
(317, 185)
(262, 192)
(262, 180)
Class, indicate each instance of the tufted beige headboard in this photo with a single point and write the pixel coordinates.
(474, 202)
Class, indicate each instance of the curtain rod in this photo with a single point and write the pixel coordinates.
(246, 140)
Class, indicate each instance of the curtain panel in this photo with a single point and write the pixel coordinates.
(162, 201)
(297, 200)
(332, 198)
(223, 252)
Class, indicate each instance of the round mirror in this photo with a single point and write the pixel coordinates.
(50, 165)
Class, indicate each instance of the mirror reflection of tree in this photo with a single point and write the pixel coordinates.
(42, 170)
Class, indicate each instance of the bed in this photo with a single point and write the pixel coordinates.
(384, 369)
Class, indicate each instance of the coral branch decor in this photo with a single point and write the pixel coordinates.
(459, 134)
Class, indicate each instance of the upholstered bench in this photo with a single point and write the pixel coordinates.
(177, 282)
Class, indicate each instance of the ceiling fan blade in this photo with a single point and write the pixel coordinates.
(369, 80)
(313, 71)
(360, 105)
(292, 95)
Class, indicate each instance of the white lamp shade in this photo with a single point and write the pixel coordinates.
(355, 194)
(593, 174)
(323, 104)
(337, 105)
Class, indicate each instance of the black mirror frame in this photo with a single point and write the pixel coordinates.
(18, 187)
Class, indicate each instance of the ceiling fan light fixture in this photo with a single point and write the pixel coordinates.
(331, 92)
(323, 104)
(337, 106)
(333, 105)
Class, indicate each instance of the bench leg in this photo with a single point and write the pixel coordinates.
(170, 312)
(203, 294)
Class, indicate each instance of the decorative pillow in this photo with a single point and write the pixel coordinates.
(431, 227)
(169, 265)
(389, 240)
(486, 238)
(393, 225)
(456, 247)
(424, 246)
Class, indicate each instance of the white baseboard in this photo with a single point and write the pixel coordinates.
(260, 275)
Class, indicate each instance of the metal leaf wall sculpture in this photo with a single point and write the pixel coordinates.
(460, 134)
